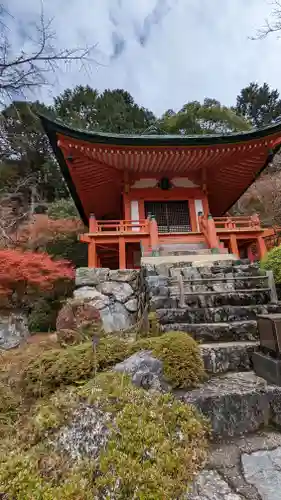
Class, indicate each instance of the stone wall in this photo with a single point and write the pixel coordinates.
(113, 292)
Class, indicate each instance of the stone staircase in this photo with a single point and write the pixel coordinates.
(174, 248)
(218, 303)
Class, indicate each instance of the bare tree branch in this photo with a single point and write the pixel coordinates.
(30, 67)
(272, 25)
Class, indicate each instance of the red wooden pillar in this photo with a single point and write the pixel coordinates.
(93, 225)
(154, 240)
(92, 254)
(250, 253)
(233, 245)
(261, 247)
(193, 216)
(122, 253)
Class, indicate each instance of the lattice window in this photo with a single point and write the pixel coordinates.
(171, 216)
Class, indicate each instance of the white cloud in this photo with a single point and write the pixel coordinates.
(166, 52)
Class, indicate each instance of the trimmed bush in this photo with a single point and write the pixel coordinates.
(272, 262)
(180, 353)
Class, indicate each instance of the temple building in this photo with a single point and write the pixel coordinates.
(142, 195)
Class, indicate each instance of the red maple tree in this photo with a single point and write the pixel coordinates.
(24, 274)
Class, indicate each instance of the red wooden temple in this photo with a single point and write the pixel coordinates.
(137, 193)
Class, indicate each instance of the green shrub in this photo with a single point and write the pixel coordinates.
(62, 209)
(68, 247)
(43, 315)
(272, 262)
(180, 353)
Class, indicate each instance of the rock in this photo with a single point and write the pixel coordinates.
(226, 357)
(98, 300)
(209, 485)
(90, 276)
(235, 403)
(132, 305)
(120, 291)
(124, 275)
(144, 369)
(77, 313)
(116, 317)
(86, 435)
(262, 469)
(157, 285)
(13, 330)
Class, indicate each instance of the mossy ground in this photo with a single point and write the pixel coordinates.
(154, 450)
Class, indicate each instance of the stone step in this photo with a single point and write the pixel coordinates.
(210, 299)
(223, 357)
(201, 251)
(218, 270)
(224, 298)
(220, 283)
(235, 331)
(220, 314)
(175, 245)
(236, 403)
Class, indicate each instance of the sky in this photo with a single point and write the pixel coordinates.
(164, 52)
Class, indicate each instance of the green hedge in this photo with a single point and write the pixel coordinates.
(272, 262)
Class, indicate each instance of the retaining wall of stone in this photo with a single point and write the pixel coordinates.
(115, 293)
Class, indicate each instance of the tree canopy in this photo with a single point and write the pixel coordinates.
(207, 118)
(259, 105)
(109, 111)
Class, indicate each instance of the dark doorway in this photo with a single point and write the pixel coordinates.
(171, 216)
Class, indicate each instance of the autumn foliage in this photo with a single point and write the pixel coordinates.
(26, 274)
(41, 229)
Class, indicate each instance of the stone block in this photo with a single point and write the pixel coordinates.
(261, 469)
(132, 305)
(116, 317)
(161, 302)
(267, 367)
(234, 403)
(216, 332)
(90, 276)
(87, 293)
(120, 291)
(228, 356)
(124, 275)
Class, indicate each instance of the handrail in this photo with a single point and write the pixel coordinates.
(237, 223)
(118, 226)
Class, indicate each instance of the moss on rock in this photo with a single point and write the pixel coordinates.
(182, 361)
(154, 448)
(62, 367)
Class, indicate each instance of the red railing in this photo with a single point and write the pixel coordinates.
(118, 226)
(207, 227)
(237, 223)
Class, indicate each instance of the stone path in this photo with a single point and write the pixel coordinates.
(247, 468)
